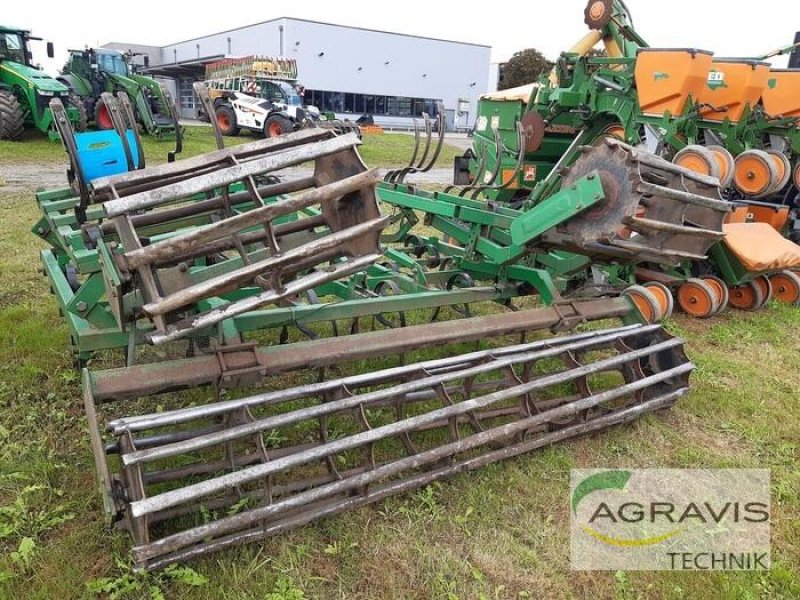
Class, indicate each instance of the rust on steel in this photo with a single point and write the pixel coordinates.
(145, 379)
(372, 435)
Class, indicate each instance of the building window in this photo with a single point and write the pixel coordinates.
(393, 106)
(186, 94)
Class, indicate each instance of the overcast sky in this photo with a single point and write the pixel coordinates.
(728, 27)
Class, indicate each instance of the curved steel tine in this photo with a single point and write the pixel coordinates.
(479, 173)
(428, 137)
(440, 122)
(391, 176)
(517, 167)
(498, 162)
(415, 168)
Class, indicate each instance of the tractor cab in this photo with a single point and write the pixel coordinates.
(111, 62)
(14, 46)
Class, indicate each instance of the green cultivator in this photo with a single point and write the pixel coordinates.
(213, 274)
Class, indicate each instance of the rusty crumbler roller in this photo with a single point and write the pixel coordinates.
(221, 260)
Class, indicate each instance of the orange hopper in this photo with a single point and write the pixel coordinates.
(781, 97)
(666, 77)
(731, 85)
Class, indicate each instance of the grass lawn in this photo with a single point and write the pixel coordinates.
(497, 533)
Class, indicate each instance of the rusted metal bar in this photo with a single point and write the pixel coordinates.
(483, 366)
(182, 243)
(155, 378)
(317, 249)
(227, 175)
(202, 206)
(173, 418)
(143, 554)
(310, 281)
(252, 237)
(541, 392)
(123, 184)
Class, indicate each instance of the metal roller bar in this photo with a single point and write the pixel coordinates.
(153, 557)
(189, 167)
(227, 176)
(310, 281)
(146, 379)
(185, 242)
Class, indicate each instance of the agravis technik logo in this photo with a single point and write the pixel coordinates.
(670, 519)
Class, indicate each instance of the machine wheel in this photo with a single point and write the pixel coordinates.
(783, 168)
(277, 125)
(646, 302)
(12, 120)
(226, 121)
(102, 116)
(755, 173)
(700, 160)
(698, 299)
(762, 281)
(747, 296)
(786, 287)
(83, 118)
(720, 289)
(664, 297)
(726, 164)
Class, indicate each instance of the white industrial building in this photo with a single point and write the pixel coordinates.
(349, 70)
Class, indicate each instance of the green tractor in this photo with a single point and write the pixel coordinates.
(89, 73)
(25, 91)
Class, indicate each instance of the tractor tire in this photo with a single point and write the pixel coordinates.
(226, 120)
(83, 118)
(102, 118)
(12, 120)
(276, 125)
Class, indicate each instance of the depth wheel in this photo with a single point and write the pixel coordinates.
(786, 287)
(762, 281)
(783, 169)
(698, 299)
(755, 173)
(663, 296)
(646, 302)
(700, 160)
(747, 296)
(727, 164)
(720, 289)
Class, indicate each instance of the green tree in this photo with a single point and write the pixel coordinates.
(523, 68)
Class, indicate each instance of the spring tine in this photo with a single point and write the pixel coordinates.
(498, 162)
(400, 177)
(517, 166)
(391, 176)
(440, 123)
(428, 138)
(479, 172)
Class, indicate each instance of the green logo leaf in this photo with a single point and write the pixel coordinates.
(607, 480)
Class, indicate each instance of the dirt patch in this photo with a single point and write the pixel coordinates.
(27, 177)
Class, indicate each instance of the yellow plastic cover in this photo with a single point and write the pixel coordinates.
(521, 93)
(760, 248)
